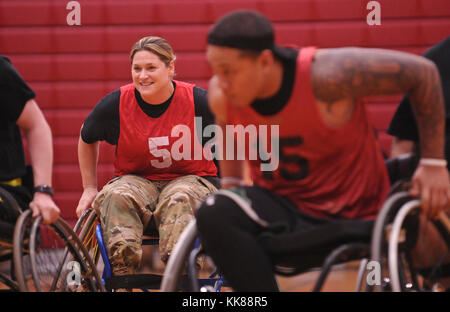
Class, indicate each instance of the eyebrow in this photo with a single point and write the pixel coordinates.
(224, 64)
(137, 64)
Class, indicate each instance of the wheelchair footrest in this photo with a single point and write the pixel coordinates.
(147, 281)
(140, 281)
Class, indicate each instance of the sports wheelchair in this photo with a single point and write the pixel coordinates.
(43, 257)
(387, 243)
(89, 232)
(6, 242)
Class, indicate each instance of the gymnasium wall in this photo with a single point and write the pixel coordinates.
(71, 67)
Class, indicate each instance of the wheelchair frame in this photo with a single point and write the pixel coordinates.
(393, 211)
(141, 281)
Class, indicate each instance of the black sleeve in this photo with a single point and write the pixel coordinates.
(14, 92)
(103, 123)
(403, 125)
(202, 110)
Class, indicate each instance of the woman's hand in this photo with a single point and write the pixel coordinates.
(86, 200)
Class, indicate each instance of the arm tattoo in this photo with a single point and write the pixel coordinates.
(352, 73)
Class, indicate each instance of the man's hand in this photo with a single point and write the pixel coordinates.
(43, 204)
(86, 200)
(432, 184)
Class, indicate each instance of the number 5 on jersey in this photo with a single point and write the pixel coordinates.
(154, 144)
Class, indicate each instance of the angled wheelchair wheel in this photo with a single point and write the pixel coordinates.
(184, 260)
(42, 262)
(405, 273)
(6, 238)
(379, 242)
(85, 229)
(12, 211)
(9, 199)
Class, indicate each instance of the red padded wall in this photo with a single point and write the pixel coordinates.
(72, 67)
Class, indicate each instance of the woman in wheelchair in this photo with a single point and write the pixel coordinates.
(157, 184)
(331, 167)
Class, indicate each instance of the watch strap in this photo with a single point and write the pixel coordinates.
(44, 189)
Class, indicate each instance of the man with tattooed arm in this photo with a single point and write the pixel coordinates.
(330, 165)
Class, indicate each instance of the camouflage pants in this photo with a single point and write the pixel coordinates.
(127, 203)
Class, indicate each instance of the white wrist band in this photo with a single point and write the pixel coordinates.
(433, 162)
(234, 180)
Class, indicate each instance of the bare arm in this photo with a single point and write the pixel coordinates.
(87, 159)
(346, 74)
(351, 73)
(39, 138)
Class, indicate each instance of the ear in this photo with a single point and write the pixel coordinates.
(266, 58)
(171, 68)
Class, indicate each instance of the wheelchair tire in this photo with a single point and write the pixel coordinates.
(178, 258)
(378, 242)
(404, 276)
(43, 258)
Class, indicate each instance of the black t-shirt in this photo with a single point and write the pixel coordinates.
(274, 104)
(403, 124)
(14, 94)
(103, 123)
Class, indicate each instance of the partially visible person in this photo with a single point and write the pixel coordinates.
(19, 111)
(403, 126)
(157, 183)
(330, 165)
(404, 130)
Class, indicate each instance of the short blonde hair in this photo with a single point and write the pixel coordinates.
(156, 45)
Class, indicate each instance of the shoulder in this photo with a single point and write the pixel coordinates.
(5, 65)
(15, 92)
(439, 54)
(9, 74)
(10, 77)
(200, 92)
(200, 97)
(4, 62)
(105, 109)
(103, 122)
(109, 101)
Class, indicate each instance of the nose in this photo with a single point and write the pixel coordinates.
(143, 74)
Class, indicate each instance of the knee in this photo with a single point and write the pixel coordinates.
(214, 213)
(115, 201)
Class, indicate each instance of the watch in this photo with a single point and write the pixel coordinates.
(44, 189)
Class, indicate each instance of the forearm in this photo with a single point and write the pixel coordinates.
(40, 147)
(88, 159)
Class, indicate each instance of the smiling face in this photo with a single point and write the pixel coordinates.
(152, 77)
